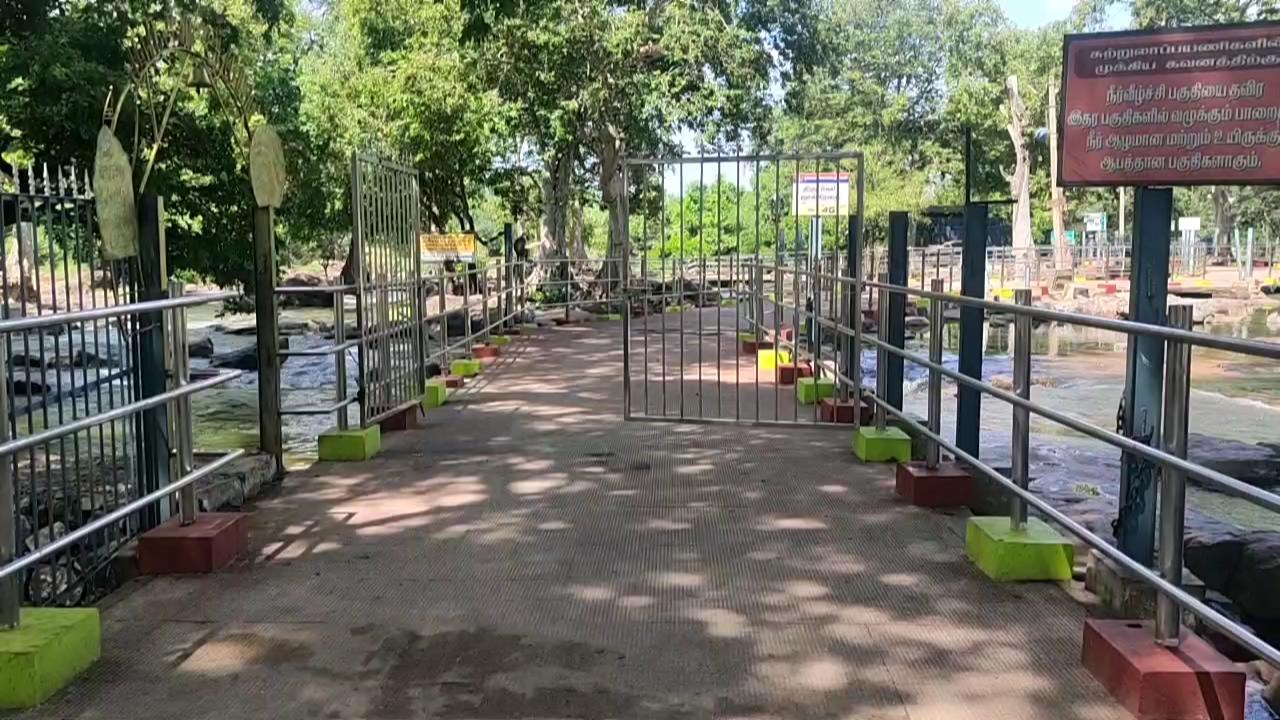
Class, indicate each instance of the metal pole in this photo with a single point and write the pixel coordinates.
(340, 357)
(935, 377)
(1173, 482)
(10, 590)
(973, 268)
(1021, 416)
(882, 355)
(182, 407)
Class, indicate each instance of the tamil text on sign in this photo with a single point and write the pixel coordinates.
(447, 246)
(822, 194)
(1190, 106)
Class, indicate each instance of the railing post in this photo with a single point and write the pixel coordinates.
(935, 377)
(855, 362)
(340, 357)
(182, 406)
(484, 299)
(508, 269)
(10, 590)
(1021, 415)
(264, 275)
(882, 355)
(1173, 482)
(152, 375)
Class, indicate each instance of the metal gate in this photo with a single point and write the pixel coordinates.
(389, 291)
(737, 279)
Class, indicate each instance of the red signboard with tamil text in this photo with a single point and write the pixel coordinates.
(1187, 106)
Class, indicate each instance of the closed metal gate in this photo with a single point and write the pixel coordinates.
(733, 279)
(389, 289)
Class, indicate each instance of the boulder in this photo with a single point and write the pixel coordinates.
(202, 348)
(246, 358)
(1244, 566)
(86, 359)
(308, 280)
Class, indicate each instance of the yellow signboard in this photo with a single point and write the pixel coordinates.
(447, 246)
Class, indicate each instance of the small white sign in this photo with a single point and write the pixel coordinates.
(1189, 224)
(1095, 222)
(822, 194)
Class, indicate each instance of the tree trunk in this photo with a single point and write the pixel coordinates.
(613, 193)
(1224, 216)
(552, 233)
(1019, 180)
(21, 262)
(1057, 198)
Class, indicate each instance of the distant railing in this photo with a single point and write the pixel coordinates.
(12, 560)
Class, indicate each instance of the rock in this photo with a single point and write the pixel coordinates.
(1255, 464)
(86, 359)
(233, 485)
(246, 358)
(1244, 566)
(307, 280)
(433, 370)
(202, 348)
(28, 361)
(27, 386)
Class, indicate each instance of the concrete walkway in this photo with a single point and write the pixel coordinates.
(528, 554)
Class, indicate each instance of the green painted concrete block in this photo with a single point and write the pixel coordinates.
(888, 445)
(746, 337)
(810, 390)
(50, 647)
(350, 445)
(769, 359)
(675, 308)
(728, 302)
(614, 316)
(500, 340)
(464, 368)
(436, 395)
(1036, 552)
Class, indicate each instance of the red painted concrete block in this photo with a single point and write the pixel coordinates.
(1108, 288)
(841, 411)
(409, 418)
(1189, 682)
(750, 347)
(947, 485)
(786, 333)
(211, 543)
(486, 352)
(454, 381)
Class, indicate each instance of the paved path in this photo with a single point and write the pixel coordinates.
(530, 555)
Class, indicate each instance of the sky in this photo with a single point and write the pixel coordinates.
(1034, 13)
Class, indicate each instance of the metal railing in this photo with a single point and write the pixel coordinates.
(178, 396)
(1170, 456)
(338, 349)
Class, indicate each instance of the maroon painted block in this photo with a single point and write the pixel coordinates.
(454, 381)
(486, 352)
(210, 543)
(786, 333)
(409, 418)
(947, 485)
(1189, 682)
(750, 347)
(833, 410)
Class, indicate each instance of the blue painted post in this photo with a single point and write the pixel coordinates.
(973, 280)
(1144, 381)
(896, 306)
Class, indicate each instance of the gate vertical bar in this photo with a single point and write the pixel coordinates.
(10, 589)
(625, 270)
(362, 302)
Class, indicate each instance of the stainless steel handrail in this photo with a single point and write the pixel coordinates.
(46, 436)
(1177, 337)
(33, 322)
(118, 514)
